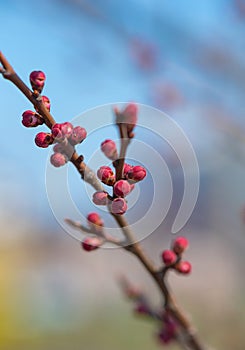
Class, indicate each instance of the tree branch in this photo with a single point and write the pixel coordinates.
(88, 175)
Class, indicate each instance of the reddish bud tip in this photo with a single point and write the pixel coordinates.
(31, 119)
(43, 139)
(129, 116)
(91, 243)
(58, 159)
(78, 135)
(169, 257)
(180, 244)
(122, 188)
(184, 267)
(106, 175)
(100, 198)
(37, 80)
(95, 219)
(119, 206)
(62, 131)
(136, 173)
(141, 309)
(109, 148)
(46, 102)
(130, 112)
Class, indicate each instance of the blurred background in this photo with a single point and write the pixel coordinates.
(185, 58)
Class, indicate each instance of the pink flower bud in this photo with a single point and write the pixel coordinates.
(169, 257)
(61, 131)
(46, 102)
(184, 267)
(136, 173)
(180, 244)
(100, 198)
(58, 159)
(109, 148)
(78, 135)
(91, 243)
(31, 119)
(37, 80)
(166, 335)
(95, 219)
(59, 148)
(43, 139)
(141, 309)
(122, 188)
(130, 113)
(106, 175)
(119, 206)
(126, 169)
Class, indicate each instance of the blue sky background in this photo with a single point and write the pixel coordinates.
(97, 52)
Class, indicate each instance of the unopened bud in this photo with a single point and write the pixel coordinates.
(119, 206)
(37, 80)
(109, 148)
(100, 198)
(43, 139)
(106, 175)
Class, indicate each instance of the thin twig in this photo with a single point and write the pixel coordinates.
(101, 233)
(123, 150)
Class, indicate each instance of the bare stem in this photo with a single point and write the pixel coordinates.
(78, 225)
(88, 175)
(107, 238)
(123, 150)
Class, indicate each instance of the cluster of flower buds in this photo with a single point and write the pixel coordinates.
(32, 119)
(128, 117)
(66, 131)
(121, 188)
(62, 134)
(173, 257)
(168, 330)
